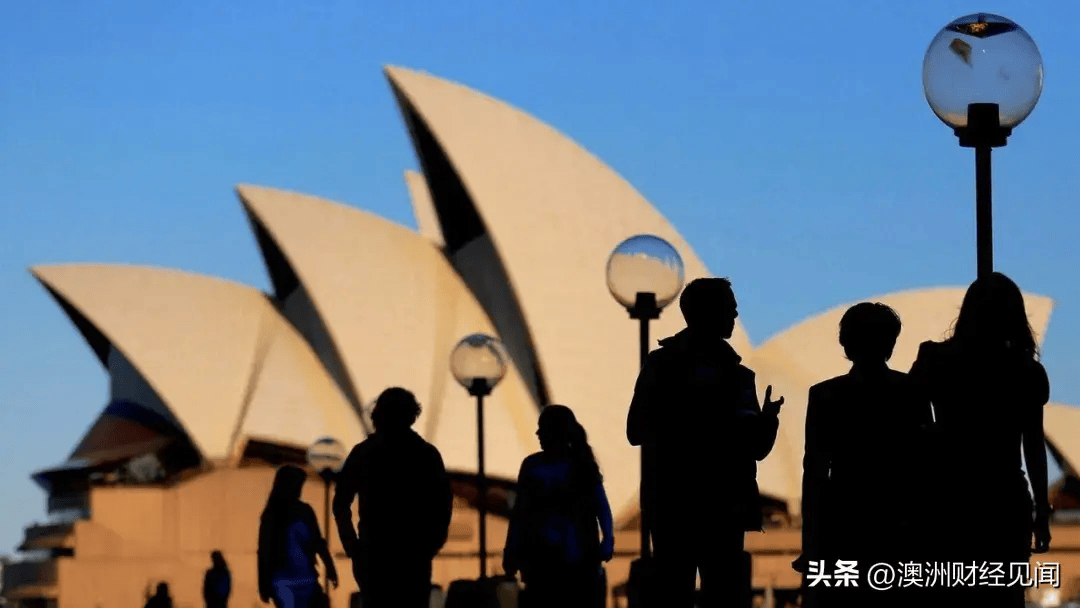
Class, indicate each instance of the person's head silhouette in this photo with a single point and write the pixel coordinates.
(162, 590)
(395, 410)
(993, 315)
(288, 484)
(868, 333)
(561, 434)
(708, 305)
(218, 560)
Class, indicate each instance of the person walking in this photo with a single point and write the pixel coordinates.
(561, 529)
(405, 506)
(289, 541)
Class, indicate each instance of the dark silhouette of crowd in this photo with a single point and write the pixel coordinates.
(889, 458)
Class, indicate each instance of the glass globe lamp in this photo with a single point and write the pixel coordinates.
(982, 59)
(645, 264)
(326, 454)
(478, 362)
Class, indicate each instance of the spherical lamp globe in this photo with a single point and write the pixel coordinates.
(479, 357)
(982, 58)
(645, 264)
(326, 454)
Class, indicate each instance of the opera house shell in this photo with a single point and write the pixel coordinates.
(213, 383)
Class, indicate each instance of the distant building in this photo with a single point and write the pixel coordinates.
(213, 384)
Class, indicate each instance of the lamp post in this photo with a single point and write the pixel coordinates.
(982, 76)
(326, 456)
(644, 274)
(478, 363)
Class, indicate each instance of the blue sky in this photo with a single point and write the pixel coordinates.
(790, 143)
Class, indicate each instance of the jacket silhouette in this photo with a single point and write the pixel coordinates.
(696, 415)
(405, 505)
(217, 584)
(865, 457)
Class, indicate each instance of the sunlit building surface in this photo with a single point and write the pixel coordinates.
(213, 384)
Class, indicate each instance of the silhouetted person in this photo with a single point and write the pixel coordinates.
(863, 438)
(217, 583)
(988, 390)
(161, 599)
(561, 508)
(695, 412)
(405, 506)
(289, 540)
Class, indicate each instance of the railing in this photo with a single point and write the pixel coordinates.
(20, 574)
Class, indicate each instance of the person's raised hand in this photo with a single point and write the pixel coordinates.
(771, 408)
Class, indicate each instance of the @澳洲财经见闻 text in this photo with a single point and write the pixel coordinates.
(883, 576)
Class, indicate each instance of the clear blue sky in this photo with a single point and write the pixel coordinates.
(789, 142)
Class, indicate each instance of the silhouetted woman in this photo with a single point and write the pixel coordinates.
(561, 508)
(289, 540)
(862, 430)
(988, 390)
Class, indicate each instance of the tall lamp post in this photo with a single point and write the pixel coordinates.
(478, 363)
(326, 456)
(982, 76)
(644, 274)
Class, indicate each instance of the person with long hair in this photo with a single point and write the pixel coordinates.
(861, 430)
(561, 528)
(988, 390)
(289, 540)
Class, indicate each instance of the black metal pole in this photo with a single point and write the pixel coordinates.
(327, 474)
(644, 310)
(984, 223)
(646, 551)
(983, 132)
(481, 482)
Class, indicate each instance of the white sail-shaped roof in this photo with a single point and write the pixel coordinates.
(225, 363)
(554, 213)
(395, 309)
(810, 352)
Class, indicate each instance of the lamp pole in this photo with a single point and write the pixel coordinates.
(644, 310)
(982, 76)
(327, 475)
(478, 362)
(479, 389)
(984, 133)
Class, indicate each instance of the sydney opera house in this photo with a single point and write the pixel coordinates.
(214, 384)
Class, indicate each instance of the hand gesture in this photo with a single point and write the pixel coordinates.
(332, 575)
(771, 408)
(1042, 533)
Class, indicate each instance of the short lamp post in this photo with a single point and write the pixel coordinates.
(982, 76)
(326, 456)
(644, 274)
(478, 363)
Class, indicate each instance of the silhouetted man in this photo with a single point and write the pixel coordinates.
(217, 583)
(405, 506)
(864, 446)
(695, 412)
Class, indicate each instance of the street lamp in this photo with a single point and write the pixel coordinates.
(326, 456)
(982, 75)
(644, 274)
(478, 363)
